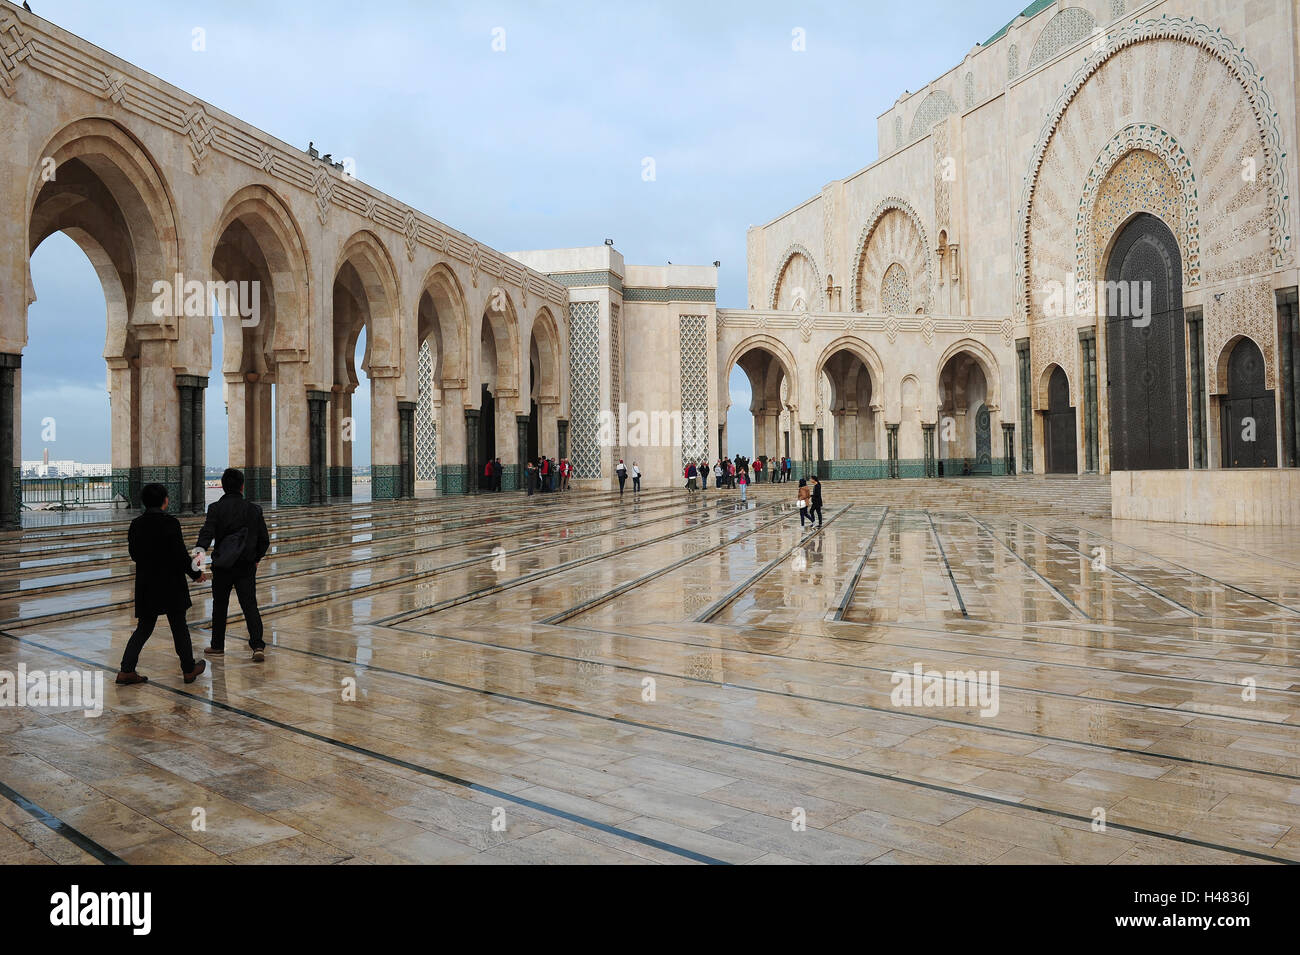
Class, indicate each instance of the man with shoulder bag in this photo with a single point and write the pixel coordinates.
(239, 531)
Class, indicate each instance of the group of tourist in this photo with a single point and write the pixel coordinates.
(727, 472)
(546, 474)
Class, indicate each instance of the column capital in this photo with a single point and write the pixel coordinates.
(313, 395)
(10, 360)
(407, 405)
(191, 381)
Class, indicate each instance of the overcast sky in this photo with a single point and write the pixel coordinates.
(539, 145)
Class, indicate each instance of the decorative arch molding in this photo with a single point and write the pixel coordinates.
(444, 289)
(863, 351)
(988, 364)
(778, 350)
(1219, 381)
(280, 241)
(374, 266)
(137, 186)
(1212, 41)
(1065, 29)
(816, 296)
(550, 349)
(864, 242)
(1044, 380)
(1152, 139)
(504, 322)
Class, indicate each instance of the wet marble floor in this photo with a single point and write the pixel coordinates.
(672, 679)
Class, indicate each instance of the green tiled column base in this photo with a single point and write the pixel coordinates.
(509, 477)
(385, 479)
(126, 482)
(857, 469)
(340, 481)
(257, 484)
(293, 485)
(169, 477)
(451, 479)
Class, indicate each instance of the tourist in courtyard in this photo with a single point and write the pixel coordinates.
(530, 475)
(621, 471)
(719, 476)
(157, 546)
(742, 482)
(636, 478)
(239, 531)
(805, 495)
(496, 474)
(703, 472)
(815, 507)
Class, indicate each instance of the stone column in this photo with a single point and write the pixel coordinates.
(11, 484)
(806, 445)
(562, 435)
(521, 471)
(318, 415)
(548, 410)
(451, 441)
(406, 440)
(124, 456)
(340, 443)
(473, 466)
(385, 454)
(292, 436)
(160, 438)
(193, 492)
(509, 448)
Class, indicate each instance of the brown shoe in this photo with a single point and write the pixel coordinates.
(214, 651)
(130, 679)
(194, 674)
(259, 655)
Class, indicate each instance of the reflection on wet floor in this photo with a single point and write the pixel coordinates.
(666, 678)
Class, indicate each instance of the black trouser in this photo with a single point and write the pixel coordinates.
(245, 586)
(636, 483)
(144, 630)
(815, 509)
(622, 479)
(805, 512)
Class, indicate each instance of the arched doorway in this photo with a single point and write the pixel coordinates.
(1247, 425)
(1059, 426)
(964, 419)
(1147, 387)
(854, 399)
(771, 387)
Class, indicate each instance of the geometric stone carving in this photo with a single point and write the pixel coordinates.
(893, 235)
(1064, 30)
(1243, 221)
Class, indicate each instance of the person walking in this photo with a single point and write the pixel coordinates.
(238, 530)
(636, 478)
(719, 476)
(530, 475)
(691, 477)
(742, 482)
(621, 471)
(703, 471)
(157, 546)
(565, 468)
(804, 496)
(815, 507)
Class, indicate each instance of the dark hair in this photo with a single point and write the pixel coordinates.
(153, 495)
(803, 482)
(232, 481)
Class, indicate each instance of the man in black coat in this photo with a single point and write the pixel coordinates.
(161, 563)
(226, 519)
